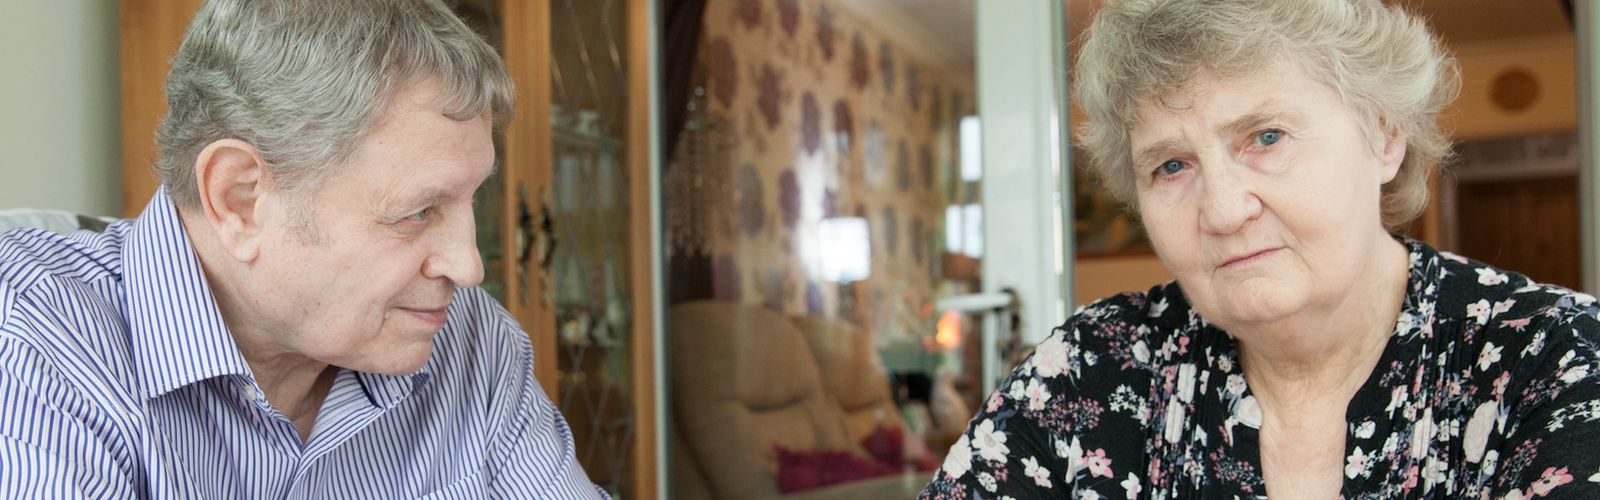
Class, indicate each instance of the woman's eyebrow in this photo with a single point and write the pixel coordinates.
(1246, 123)
(1155, 151)
(1266, 112)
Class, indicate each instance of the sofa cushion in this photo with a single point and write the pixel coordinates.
(895, 487)
(743, 382)
(852, 373)
(688, 481)
(889, 445)
(801, 470)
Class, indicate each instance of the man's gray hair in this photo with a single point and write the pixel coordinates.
(303, 80)
(1389, 69)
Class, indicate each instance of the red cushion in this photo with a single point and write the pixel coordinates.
(804, 470)
(888, 445)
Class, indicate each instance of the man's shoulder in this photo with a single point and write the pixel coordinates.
(64, 358)
(482, 359)
(29, 256)
(59, 304)
(54, 279)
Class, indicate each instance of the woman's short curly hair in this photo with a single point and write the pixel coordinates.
(1391, 71)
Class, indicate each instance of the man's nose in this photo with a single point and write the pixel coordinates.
(456, 256)
(1228, 198)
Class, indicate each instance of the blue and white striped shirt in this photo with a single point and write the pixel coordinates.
(118, 379)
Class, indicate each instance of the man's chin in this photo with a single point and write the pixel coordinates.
(399, 364)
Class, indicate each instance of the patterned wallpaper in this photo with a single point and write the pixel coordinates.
(805, 113)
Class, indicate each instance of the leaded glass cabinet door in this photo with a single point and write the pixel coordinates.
(598, 266)
(577, 225)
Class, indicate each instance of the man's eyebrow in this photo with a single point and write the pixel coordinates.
(425, 198)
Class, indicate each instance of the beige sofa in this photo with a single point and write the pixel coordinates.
(746, 379)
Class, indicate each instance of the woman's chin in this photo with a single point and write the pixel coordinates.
(1253, 304)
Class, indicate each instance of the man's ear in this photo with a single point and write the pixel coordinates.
(233, 183)
(1393, 152)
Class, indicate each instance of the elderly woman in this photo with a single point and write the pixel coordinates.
(1304, 351)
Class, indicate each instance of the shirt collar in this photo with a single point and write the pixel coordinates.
(386, 391)
(176, 329)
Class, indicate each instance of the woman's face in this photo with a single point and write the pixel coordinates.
(1261, 194)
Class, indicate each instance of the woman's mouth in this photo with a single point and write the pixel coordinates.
(1251, 258)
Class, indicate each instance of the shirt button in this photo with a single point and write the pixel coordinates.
(251, 393)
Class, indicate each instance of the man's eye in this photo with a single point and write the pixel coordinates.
(1268, 138)
(1170, 167)
(420, 215)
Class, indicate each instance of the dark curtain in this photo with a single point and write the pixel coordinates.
(689, 274)
(680, 41)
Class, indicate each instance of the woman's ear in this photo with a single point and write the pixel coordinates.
(232, 182)
(1393, 152)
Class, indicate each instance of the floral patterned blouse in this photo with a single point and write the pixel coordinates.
(1488, 389)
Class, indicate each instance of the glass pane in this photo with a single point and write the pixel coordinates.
(589, 205)
(487, 202)
(816, 209)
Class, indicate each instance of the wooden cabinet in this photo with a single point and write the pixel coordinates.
(1525, 225)
(544, 224)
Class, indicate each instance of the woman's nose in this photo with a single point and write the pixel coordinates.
(1227, 199)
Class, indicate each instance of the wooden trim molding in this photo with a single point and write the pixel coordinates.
(642, 263)
(151, 31)
(526, 169)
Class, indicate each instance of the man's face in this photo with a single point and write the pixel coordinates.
(394, 238)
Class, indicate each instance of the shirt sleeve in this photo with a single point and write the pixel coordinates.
(48, 446)
(1550, 421)
(1055, 427)
(533, 454)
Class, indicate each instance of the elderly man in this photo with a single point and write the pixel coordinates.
(294, 315)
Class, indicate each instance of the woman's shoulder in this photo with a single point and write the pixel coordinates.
(1540, 336)
(1474, 292)
(1162, 306)
(1128, 330)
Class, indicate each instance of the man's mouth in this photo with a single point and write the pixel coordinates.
(433, 316)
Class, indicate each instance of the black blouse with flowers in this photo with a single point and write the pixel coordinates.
(1489, 388)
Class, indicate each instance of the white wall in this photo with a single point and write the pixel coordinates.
(1017, 105)
(60, 146)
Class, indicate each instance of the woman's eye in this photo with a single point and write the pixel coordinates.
(1268, 138)
(1170, 167)
(420, 215)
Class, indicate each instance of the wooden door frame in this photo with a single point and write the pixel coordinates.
(150, 31)
(525, 28)
(644, 248)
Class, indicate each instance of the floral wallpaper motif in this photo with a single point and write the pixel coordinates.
(824, 116)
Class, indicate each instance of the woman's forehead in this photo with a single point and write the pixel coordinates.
(1232, 99)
